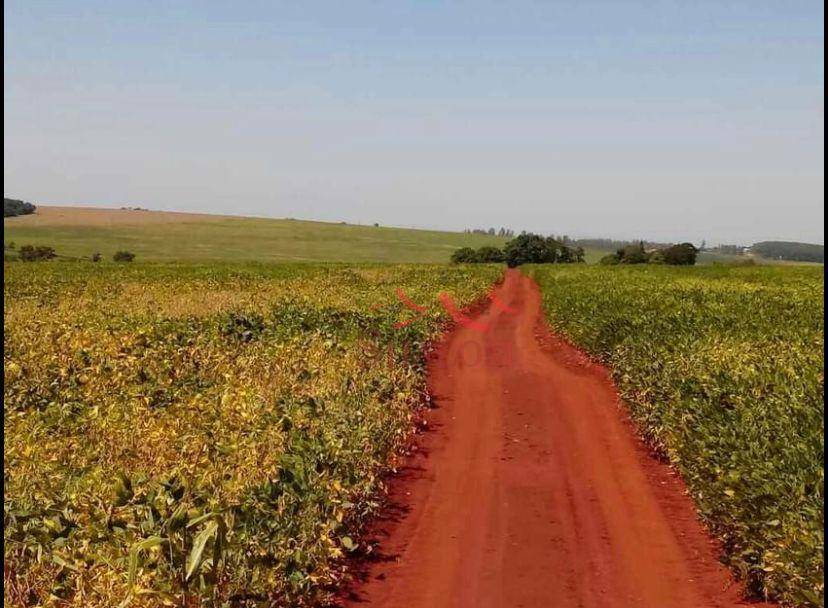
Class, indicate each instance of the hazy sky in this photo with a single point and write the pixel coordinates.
(663, 120)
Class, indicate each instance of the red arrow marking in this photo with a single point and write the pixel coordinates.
(451, 308)
(420, 310)
(404, 299)
(501, 305)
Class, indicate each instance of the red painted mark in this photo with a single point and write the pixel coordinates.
(448, 303)
(401, 324)
(405, 300)
(459, 317)
(501, 305)
(420, 310)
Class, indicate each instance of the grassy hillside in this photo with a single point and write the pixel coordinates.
(165, 236)
(791, 251)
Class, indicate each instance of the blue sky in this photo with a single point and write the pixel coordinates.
(662, 120)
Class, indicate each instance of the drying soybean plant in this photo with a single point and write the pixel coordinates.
(723, 368)
(205, 435)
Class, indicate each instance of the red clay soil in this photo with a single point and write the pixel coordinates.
(532, 489)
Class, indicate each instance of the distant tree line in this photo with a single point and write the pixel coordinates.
(507, 232)
(616, 244)
(727, 249)
(13, 207)
(682, 254)
(525, 248)
(562, 248)
(788, 250)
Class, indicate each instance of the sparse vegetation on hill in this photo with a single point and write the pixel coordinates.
(13, 207)
(32, 253)
(162, 236)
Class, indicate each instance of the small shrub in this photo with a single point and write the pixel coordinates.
(242, 327)
(657, 257)
(683, 254)
(484, 255)
(633, 254)
(96, 257)
(123, 256)
(36, 253)
(464, 255)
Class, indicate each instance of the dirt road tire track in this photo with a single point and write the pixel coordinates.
(532, 490)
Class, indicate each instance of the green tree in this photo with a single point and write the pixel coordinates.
(13, 207)
(489, 255)
(683, 254)
(528, 248)
(633, 254)
(464, 255)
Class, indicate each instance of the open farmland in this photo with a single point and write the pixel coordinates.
(219, 434)
(166, 236)
(724, 370)
(210, 432)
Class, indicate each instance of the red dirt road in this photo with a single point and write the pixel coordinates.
(532, 489)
